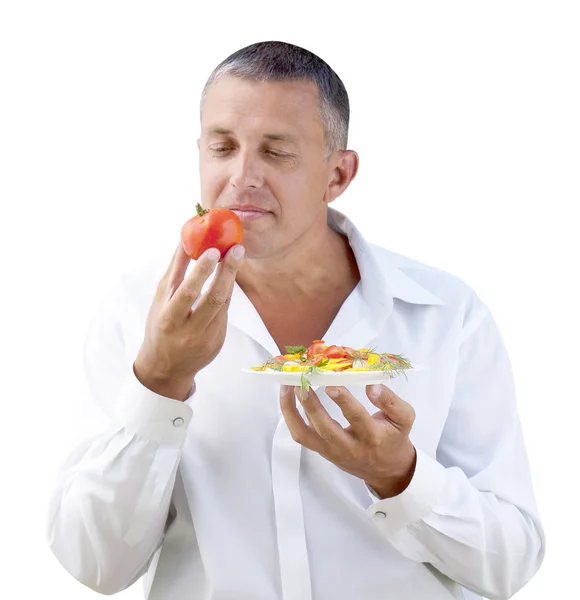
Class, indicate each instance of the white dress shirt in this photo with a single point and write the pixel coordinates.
(211, 499)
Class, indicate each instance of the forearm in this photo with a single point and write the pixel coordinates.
(476, 539)
(109, 508)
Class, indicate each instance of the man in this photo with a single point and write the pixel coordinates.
(216, 483)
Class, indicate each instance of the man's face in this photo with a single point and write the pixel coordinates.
(262, 144)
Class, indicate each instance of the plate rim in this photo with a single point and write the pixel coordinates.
(356, 377)
(249, 370)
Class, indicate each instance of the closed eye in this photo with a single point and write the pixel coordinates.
(220, 150)
(278, 154)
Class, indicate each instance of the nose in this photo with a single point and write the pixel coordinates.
(245, 172)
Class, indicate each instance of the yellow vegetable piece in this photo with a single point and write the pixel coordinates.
(373, 358)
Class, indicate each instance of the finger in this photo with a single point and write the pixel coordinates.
(178, 268)
(399, 412)
(219, 292)
(175, 271)
(361, 422)
(300, 432)
(326, 427)
(189, 290)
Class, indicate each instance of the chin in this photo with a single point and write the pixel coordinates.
(256, 249)
(252, 252)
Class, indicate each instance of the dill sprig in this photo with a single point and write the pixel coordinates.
(358, 355)
(311, 370)
(392, 364)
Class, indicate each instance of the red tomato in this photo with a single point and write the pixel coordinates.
(217, 228)
(317, 347)
(336, 352)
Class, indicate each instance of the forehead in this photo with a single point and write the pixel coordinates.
(239, 104)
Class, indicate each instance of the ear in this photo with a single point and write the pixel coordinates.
(344, 167)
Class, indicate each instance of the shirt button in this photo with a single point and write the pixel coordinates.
(380, 514)
(178, 422)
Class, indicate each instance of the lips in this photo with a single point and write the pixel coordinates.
(247, 208)
(249, 213)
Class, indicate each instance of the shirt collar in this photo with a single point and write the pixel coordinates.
(381, 279)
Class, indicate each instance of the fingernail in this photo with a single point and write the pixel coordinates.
(376, 389)
(238, 252)
(332, 392)
(213, 253)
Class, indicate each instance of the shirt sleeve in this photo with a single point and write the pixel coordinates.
(110, 503)
(470, 511)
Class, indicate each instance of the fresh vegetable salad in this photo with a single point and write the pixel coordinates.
(320, 357)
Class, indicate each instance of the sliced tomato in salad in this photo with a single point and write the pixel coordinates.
(336, 352)
(317, 347)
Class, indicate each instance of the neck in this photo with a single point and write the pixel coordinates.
(323, 264)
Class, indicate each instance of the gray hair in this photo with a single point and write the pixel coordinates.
(279, 61)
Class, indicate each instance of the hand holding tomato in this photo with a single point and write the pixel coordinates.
(217, 228)
(180, 340)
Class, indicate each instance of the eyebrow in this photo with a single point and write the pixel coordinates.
(276, 137)
(281, 137)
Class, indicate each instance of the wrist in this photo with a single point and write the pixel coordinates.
(169, 387)
(393, 485)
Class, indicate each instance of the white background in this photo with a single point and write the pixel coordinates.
(466, 119)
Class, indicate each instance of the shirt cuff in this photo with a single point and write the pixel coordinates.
(151, 415)
(413, 503)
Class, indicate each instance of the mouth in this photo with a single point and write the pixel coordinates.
(250, 214)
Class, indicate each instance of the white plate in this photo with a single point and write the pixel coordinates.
(330, 378)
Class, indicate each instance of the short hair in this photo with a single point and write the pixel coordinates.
(280, 61)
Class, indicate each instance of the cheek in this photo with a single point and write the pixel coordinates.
(298, 187)
(212, 181)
